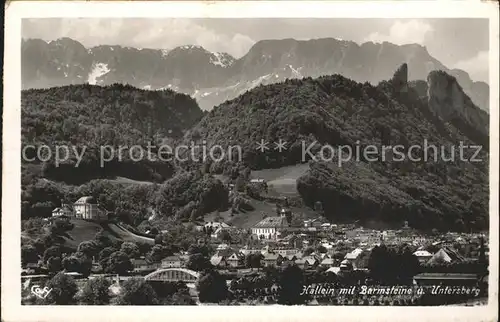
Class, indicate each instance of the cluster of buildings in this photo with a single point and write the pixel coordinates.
(85, 208)
(227, 257)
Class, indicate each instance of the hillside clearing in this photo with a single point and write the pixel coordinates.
(86, 230)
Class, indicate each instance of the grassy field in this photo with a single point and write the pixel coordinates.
(126, 235)
(282, 181)
(248, 219)
(129, 181)
(86, 230)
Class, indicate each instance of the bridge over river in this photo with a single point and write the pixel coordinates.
(173, 275)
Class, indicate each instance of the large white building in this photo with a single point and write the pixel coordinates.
(88, 208)
(65, 210)
(270, 227)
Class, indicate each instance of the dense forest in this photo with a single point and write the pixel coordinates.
(336, 111)
(186, 196)
(89, 117)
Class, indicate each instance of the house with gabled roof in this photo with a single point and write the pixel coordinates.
(446, 255)
(236, 259)
(246, 250)
(226, 252)
(423, 255)
(218, 261)
(327, 262)
(307, 262)
(358, 258)
(173, 261)
(272, 259)
(288, 259)
(64, 211)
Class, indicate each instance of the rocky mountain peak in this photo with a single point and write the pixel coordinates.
(400, 78)
(448, 101)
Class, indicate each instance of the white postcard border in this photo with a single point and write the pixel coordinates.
(11, 179)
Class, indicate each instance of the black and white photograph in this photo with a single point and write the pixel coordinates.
(254, 161)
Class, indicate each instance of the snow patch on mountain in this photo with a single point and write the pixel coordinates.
(164, 52)
(260, 80)
(221, 59)
(191, 47)
(296, 72)
(98, 70)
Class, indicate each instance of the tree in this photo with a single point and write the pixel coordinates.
(71, 264)
(60, 226)
(212, 287)
(225, 236)
(41, 244)
(89, 248)
(79, 263)
(106, 252)
(29, 254)
(380, 263)
(291, 284)
(278, 209)
(158, 239)
(53, 251)
(239, 184)
(181, 297)
(63, 289)
(308, 251)
(118, 263)
(246, 173)
(137, 291)
(199, 249)
(95, 292)
(409, 266)
(482, 253)
(131, 249)
(321, 249)
(102, 240)
(198, 262)
(318, 207)
(253, 260)
(144, 248)
(159, 252)
(54, 264)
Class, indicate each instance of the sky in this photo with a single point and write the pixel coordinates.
(456, 42)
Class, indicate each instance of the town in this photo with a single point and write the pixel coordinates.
(280, 259)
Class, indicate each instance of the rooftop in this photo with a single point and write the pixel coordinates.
(172, 258)
(422, 253)
(354, 254)
(272, 222)
(445, 276)
(86, 199)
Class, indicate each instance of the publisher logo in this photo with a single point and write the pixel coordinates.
(40, 292)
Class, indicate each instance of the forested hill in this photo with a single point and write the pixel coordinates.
(337, 111)
(93, 116)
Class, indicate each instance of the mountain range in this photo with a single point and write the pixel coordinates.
(413, 105)
(212, 77)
